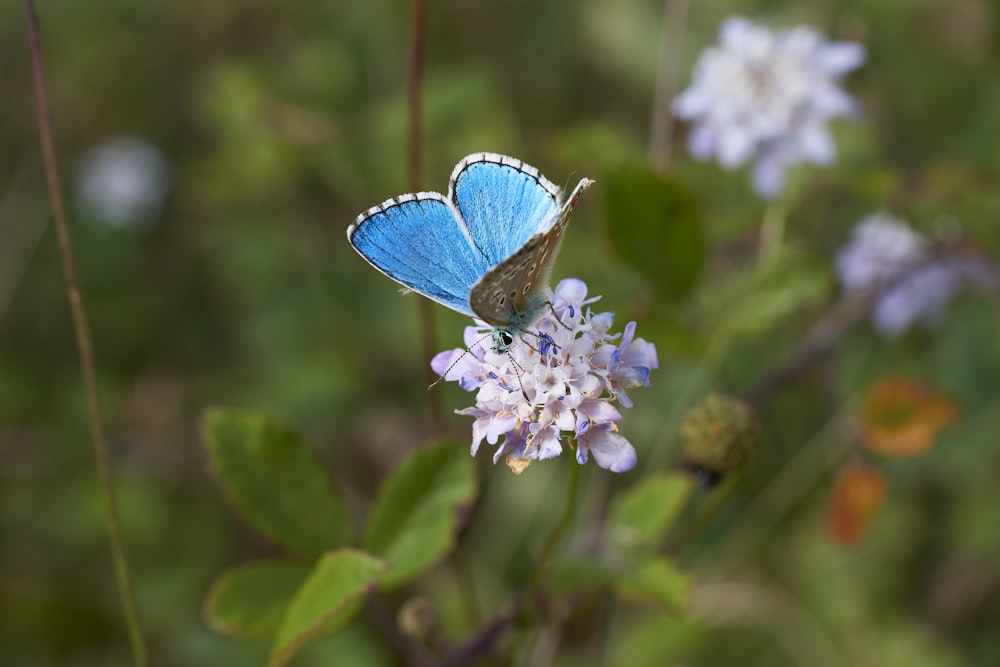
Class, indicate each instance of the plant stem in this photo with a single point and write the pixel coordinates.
(83, 343)
(554, 536)
(671, 47)
(413, 151)
(772, 228)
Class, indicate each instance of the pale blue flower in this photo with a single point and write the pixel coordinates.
(910, 282)
(766, 96)
(561, 378)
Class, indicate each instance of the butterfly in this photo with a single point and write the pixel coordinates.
(485, 250)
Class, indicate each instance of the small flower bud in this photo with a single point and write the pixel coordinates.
(418, 619)
(719, 434)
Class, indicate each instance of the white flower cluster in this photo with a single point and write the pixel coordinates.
(561, 378)
(766, 95)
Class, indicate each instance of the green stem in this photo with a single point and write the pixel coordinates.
(529, 603)
(771, 231)
(554, 537)
(84, 345)
(671, 49)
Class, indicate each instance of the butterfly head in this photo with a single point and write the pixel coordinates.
(503, 338)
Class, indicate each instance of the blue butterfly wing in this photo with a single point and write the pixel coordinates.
(419, 241)
(503, 203)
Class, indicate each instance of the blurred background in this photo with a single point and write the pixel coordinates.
(212, 156)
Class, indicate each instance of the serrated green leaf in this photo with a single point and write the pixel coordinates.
(415, 517)
(248, 601)
(641, 516)
(655, 225)
(327, 600)
(656, 580)
(275, 481)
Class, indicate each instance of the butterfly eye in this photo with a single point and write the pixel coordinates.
(506, 338)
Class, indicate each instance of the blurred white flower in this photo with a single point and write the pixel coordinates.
(910, 282)
(122, 182)
(560, 380)
(766, 95)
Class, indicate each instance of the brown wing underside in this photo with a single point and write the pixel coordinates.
(500, 298)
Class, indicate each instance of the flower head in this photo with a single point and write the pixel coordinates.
(910, 282)
(766, 95)
(561, 379)
(123, 182)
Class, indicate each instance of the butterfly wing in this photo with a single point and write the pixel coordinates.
(419, 241)
(503, 203)
(509, 295)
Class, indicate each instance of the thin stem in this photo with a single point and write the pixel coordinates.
(771, 230)
(529, 603)
(671, 47)
(83, 343)
(413, 145)
(554, 537)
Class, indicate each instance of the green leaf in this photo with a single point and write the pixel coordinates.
(657, 580)
(326, 601)
(573, 575)
(415, 517)
(275, 481)
(641, 516)
(249, 600)
(655, 225)
(755, 300)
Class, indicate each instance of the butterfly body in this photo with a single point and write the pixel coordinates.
(484, 250)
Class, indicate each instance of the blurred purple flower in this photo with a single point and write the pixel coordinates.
(558, 379)
(909, 281)
(766, 95)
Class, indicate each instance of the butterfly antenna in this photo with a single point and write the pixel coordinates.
(552, 309)
(468, 350)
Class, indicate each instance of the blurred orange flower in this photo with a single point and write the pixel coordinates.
(901, 417)
(857, 496)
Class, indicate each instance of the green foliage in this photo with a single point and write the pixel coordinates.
(280, 123)
(417, 515)
(327, 600)
(656, 580)
(249, 601)
(275, 481)
(640, 517)
(756, 299)
(654, 224)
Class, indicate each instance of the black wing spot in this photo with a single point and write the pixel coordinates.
(527, 286)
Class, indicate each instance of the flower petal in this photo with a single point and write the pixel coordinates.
(610, 450)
